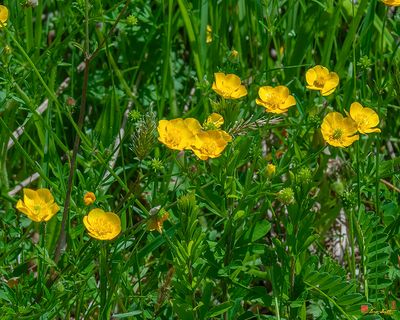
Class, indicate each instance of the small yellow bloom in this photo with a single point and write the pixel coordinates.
(234, 54)
(210, 144)
(319, 78)
(102, 225)
(339, 131)
(156, 221)
(365, 118)
(3, 16)
(228, 86)
(38, 205)
(89, 198)
(393, 3)
(275, 100)
(271, 169)
(209, 37)
(177, 134)
(214, 121)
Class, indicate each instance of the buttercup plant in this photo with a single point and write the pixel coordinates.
(321, 79)
(38, 204)
(3, 16)
(102, 225)
(236, 176)
(228, 86)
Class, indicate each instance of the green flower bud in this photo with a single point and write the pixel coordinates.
(286, 196)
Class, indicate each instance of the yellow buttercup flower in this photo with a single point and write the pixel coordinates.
(89, 198)
(393, 3)
(228, 86)
(156, 221)
(275, 100)
(38, 205)
(339, 131)
(102, 225)
(177, 134)
(3, 16)
(271, 169)
(209, 37)
(365, 118)
(319, 78)
(210, 144)
(214, 121)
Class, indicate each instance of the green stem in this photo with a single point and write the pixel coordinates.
(358, 178)
(42, 243)
(104, 314)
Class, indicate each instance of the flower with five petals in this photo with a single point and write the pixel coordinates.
(365, 118)
(339, 131)
(228, 86)
(38, 204)
(3, 16)
(102, 225)
(177, 134)
(275, 100)
(319, 78)
(210, 144)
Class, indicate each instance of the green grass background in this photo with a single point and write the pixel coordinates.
(230, 250)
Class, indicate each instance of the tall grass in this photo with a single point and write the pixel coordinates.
(231, 248)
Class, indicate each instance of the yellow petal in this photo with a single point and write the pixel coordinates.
(45, 195)
(311, 76)
(265, 93)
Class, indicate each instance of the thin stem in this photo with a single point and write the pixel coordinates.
(41, 271)
(103, 281)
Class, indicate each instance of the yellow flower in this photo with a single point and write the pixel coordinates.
(228, 86)
(210, 144)
(319, 78)
(214, 121)
(209, 37)
(156, 221)
(271, 169)
(365, 118)
(3, 16)
(102, 225)
(275, 100)
(177, 134)
(38, 205)
(89, 198)
(339, 131)
(393, 3)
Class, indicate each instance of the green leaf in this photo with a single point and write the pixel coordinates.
(126, 315)
(220, 309)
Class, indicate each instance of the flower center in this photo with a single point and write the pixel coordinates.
(337, 134)
(320, 82)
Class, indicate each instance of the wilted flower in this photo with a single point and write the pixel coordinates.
(339, 131)
(209, 37)
(319, 78)
(3, 16)
(214, 121)
(156, 221)
(228, 86)
(365, 118)
(38, 205)
(178, 134)
(102, 225)
(210, 144)
(89, 198)
(275, 100)
(393, 3)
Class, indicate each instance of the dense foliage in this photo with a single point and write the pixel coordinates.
(199, 159)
